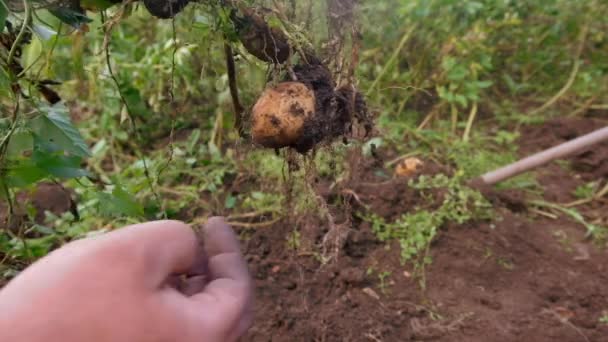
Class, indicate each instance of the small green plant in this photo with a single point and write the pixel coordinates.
(505, 263)
(586, 190)
(383, 277)
(595, 231)
(499, 151)
(293, 240)
(604, 318)
(415, 231)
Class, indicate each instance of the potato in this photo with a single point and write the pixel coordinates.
(408, 167)
(279, 115)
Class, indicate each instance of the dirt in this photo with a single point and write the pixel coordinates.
(516, 277)
(336, 110)
(45, 197)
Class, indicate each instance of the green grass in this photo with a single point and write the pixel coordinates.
(476, 69)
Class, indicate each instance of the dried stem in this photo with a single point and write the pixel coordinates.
(573, 73)
(234, 90)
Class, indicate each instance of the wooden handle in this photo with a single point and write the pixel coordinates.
(544, 157)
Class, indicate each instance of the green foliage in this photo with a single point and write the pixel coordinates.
(48, 145)
(415, 231)
(154, 139)
(119, 203)
(54, 128)
(3, 15)
(597, 232)
(586, 190)
(483, 51)
(294, 240)
(383, 277)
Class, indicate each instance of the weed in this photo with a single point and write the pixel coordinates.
(383, 277)
(505, 263)
(595, 231)
(293, 240)
(586, 190)
(415, 231)
(499, 151)
(604, 318)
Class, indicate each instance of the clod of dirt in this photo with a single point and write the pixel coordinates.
(165, 9)
(352, 275)
(279, 116)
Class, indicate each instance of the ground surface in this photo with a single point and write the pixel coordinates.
(518, 277)
(521, 277)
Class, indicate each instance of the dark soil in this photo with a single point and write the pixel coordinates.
(520, 277)
(46, 197)
(336, 111)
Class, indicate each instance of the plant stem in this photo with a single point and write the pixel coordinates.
(20, 35)
(472, 115)
(234, 90)
(392, 59)
(454, 118)
(573, 73)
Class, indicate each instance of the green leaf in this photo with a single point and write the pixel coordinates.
(126, 202)
(256, 195)
(70, 16)
(119, 203)
(23, 172)
(458, 73)
(460, 99)
(484, 84)
(33, 248)
(55, 129)
(230, 202)
(21, 141)
(136, 103)
(193, 140)
(32, 52)
(59, 165)
(3, 16)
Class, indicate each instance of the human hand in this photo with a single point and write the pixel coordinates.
(117, 287)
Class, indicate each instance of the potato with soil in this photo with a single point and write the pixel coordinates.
(279, 116)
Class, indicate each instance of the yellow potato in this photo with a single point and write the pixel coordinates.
(408, 167)
(279, 115)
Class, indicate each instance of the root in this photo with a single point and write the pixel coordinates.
(333, 241)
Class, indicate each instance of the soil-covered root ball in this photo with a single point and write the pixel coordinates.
(279, 116)
(165, 9)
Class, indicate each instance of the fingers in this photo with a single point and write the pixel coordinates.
(224, 252)
(156, 249)
(229, 293)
